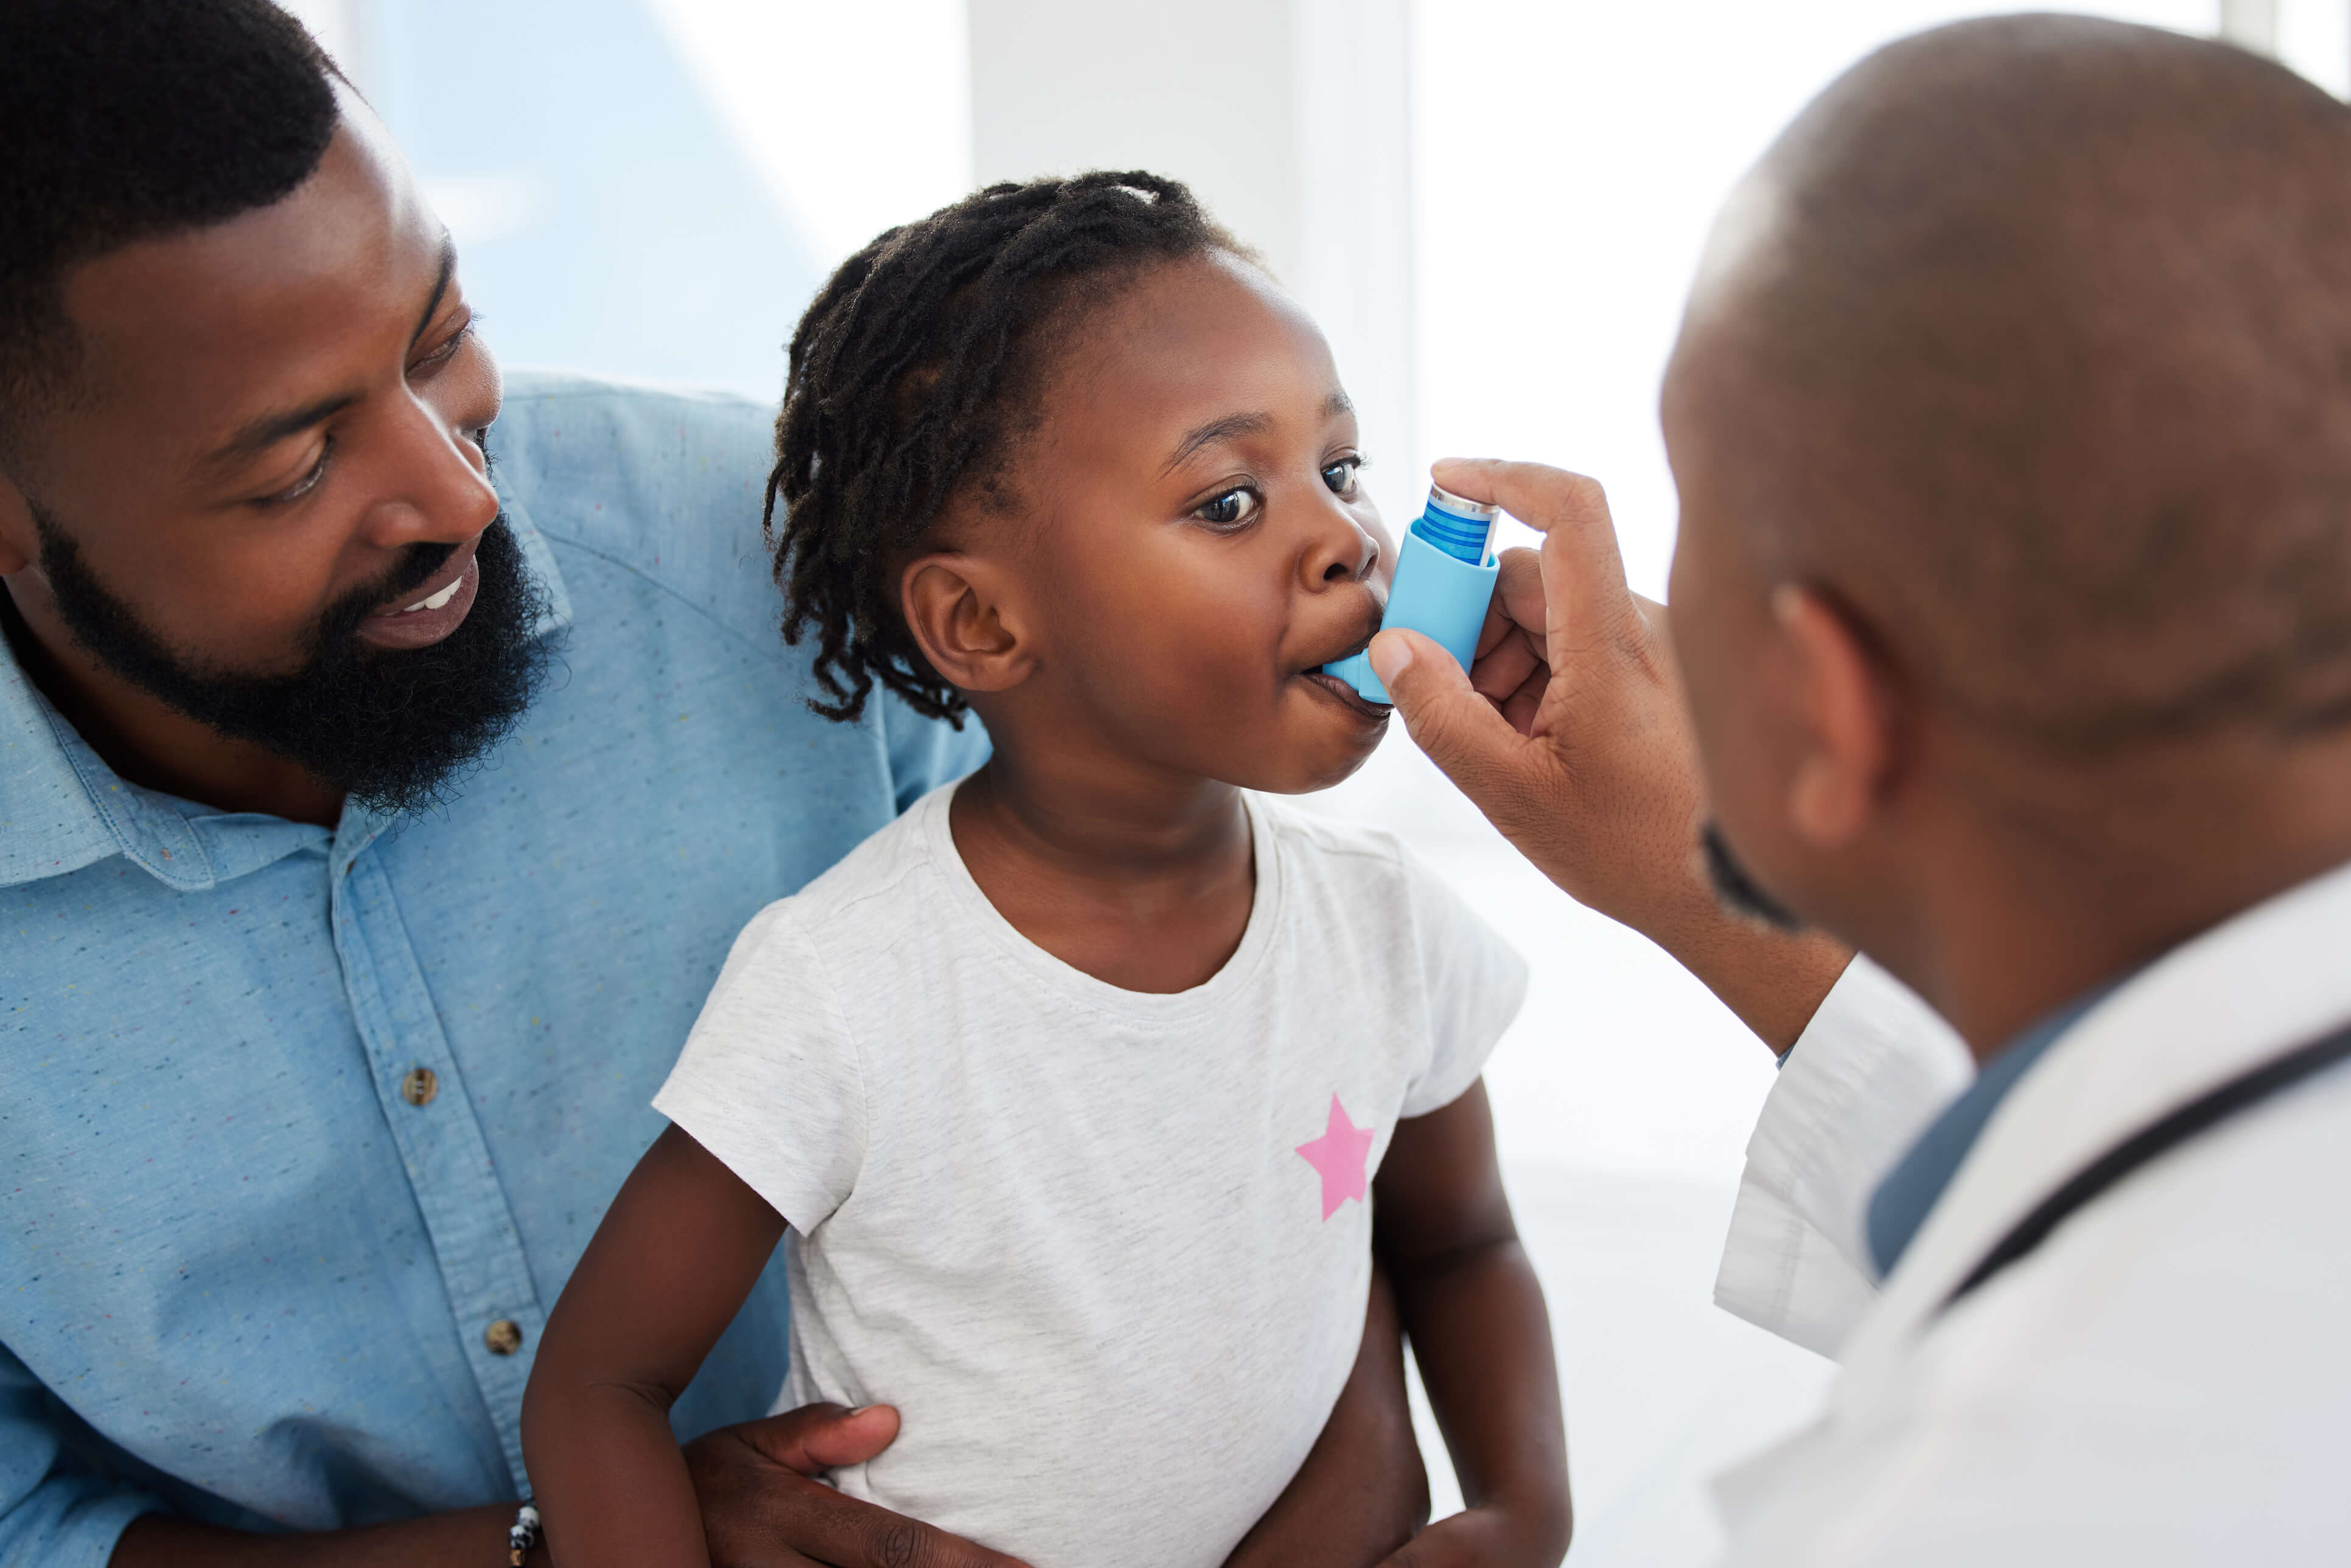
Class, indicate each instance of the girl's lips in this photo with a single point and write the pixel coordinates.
(1348, 694)
(429, 616)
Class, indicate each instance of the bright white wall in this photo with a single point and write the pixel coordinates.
(1571, 158)
(857, 117)
(1291, 119)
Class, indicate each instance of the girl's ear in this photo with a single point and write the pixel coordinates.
(964, 614)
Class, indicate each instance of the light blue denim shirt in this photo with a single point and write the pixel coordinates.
(244, 1274)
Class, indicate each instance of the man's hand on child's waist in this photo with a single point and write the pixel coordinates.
(762, 1506)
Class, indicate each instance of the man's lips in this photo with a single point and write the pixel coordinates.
(428, 615)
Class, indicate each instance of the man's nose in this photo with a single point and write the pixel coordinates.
(435, 484)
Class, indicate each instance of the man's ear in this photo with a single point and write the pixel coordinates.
(1846, 714)
(964, 614)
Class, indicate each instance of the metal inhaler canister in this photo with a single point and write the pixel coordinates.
(1444, 580)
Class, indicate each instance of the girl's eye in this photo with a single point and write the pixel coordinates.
(1230, 510)
(1341, 475)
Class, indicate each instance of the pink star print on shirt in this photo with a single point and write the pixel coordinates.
(1338, 1156)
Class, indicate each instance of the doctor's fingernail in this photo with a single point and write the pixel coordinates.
(1391, 657)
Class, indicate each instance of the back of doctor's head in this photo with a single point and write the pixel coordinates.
(122, 121)
(2038, 335)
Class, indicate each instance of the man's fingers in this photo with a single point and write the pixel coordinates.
(1518, 604)
(1582, 572)
(761, 1510)
(1504, 669)
(1537, 494)
(1523, 706)
(1458, 729)
(819, 1437)
(844, 1532)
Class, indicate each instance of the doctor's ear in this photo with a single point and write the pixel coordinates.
(1847, 714)
(964, 613)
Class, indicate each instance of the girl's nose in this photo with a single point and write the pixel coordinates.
(1343, 551)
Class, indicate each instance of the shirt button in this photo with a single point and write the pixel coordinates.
(504, 1337)
(419, 1087)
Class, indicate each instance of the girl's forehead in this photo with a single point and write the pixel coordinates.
(1193, 342)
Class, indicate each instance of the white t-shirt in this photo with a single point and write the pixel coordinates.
(1106, 1251)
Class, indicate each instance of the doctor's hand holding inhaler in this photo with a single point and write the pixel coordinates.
(1566, 727)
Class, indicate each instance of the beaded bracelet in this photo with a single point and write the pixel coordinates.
(522, 1535)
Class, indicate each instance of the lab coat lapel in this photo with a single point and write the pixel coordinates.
(2251, 989)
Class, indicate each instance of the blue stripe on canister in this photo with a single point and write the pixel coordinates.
(1460, 537)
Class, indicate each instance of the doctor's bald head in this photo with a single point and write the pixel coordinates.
(2028, 348)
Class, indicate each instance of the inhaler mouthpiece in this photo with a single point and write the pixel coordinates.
(1444, 580)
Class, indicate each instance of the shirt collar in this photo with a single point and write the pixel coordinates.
(1910, 1190)
(62, 808)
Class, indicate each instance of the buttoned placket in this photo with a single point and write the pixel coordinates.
(476, 1241)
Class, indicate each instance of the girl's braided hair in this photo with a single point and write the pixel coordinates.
(915, 369)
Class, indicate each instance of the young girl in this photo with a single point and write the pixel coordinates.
(1088, 1087)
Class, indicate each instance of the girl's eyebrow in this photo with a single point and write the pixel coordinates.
(1216, 430)
(1234, 424)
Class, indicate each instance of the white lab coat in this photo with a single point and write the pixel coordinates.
(2167, 1380)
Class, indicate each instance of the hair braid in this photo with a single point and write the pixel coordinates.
(914, 371)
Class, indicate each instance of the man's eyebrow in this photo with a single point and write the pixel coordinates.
(259, 435)
(1217, 430)
(443, 273)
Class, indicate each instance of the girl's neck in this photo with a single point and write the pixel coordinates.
(1144, 883)
(1123, 832)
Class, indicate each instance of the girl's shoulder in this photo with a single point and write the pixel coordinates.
(1348, 875)
(873, 889)
(1331, 847)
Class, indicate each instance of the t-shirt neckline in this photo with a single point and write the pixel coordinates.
(1075, 984)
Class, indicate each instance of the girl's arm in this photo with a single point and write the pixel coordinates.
(666, 1272)
(1474, 1313)
(1363, 1491)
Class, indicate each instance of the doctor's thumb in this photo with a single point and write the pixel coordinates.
(1460, 731)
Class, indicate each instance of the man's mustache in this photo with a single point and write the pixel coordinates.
(417, 565)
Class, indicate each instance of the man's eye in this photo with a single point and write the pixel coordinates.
(1341, 475)
(1228, 510)
(308, 482)
(448, 349)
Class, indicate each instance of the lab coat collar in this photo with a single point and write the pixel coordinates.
(1917, 1182)
(2259, 984)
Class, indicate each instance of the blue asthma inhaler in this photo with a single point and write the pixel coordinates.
(1444, 581)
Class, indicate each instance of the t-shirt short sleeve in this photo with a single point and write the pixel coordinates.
(769, 1081)
(1476, 983)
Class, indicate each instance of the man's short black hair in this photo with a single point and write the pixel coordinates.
(127, 119)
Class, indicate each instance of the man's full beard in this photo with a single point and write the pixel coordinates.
(1738, 888)
(392, 729)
